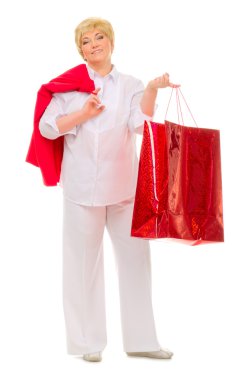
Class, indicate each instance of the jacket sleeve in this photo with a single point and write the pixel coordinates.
(47, 125)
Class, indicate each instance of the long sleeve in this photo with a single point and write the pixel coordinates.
(47, 125)
(137, 117)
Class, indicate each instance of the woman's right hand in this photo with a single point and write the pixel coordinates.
(93, 106)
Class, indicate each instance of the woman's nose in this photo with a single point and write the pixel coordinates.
(94, 43)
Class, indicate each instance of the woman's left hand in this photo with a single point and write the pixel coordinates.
(162, 82)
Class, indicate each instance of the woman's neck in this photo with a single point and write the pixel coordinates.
(102, 68)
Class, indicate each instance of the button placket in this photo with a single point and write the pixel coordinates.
(96, 152)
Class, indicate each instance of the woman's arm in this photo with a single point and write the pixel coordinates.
(150, 93)
(91, 108)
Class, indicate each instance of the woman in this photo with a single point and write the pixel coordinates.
(98, 176)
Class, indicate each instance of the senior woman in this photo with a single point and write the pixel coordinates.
(98, 176)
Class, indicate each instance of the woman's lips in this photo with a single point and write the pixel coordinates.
(97, 51)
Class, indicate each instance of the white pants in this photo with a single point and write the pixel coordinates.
(83, 279)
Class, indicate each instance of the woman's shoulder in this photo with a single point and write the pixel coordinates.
(129, 77)
(65, 96)
(131, 81)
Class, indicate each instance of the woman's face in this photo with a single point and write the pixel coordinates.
(96, 47)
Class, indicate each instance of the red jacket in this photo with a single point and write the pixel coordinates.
(44, 153)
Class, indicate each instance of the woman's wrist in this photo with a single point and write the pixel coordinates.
(151, 87)
(68, 122)
(83, 115)
(148, 100)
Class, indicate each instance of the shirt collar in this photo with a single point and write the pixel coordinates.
(113, 73)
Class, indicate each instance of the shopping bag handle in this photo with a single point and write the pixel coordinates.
(179, 109)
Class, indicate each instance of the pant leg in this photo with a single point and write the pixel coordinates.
(83, 278)
(134, 273)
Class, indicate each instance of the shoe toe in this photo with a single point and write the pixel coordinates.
(166, 354)
(93, 357)
(161, 354)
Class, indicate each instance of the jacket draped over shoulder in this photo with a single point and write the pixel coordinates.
(44, 153)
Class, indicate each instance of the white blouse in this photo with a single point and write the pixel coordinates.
(100, 163)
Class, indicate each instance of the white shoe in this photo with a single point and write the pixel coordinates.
(161, 354)
(94, 357)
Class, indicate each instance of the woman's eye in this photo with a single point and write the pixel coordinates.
(99, 37)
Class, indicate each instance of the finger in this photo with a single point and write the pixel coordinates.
(100, 107)
(95, 92)
(174, 85)
(95, 98)
(96, 102)
(163, 80)
(160, 81)
(170, 84)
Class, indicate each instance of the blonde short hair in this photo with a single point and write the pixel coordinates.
(90, 24)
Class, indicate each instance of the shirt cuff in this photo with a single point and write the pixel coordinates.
(139, 119)
(50, 130)
(55, 127)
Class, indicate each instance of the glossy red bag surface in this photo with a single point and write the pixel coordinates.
(179, 188)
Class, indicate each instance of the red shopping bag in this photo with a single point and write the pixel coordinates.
(179, 188)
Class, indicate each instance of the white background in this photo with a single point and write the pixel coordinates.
(201, 295)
